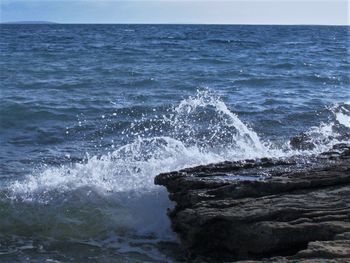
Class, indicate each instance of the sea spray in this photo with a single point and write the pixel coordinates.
(111, 199)
(342, 113)
(199, 130)
(223, 125)
(327, 134)
(133, 166)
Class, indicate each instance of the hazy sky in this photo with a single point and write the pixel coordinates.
(164, 11)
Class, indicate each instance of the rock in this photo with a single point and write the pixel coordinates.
(269, 210)
(302, 141)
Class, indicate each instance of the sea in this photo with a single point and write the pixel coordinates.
(90, 114)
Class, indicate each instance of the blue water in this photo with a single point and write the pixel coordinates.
(91, 113)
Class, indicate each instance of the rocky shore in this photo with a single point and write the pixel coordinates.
(266, 210)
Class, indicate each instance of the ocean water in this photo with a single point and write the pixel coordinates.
(90, 114)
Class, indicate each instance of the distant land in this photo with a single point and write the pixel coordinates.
(29, 22)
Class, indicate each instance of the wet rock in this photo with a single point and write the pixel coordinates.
(269, 210)
(302, 142)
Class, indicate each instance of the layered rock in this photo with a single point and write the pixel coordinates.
(269, 209)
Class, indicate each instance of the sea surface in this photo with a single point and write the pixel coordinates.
(90, 114)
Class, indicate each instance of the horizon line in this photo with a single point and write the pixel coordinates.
(156, 23)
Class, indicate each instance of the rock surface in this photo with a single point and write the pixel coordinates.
(266, 210)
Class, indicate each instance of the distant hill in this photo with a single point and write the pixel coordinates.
(30, 22)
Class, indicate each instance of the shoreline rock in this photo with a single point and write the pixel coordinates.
(270, 210)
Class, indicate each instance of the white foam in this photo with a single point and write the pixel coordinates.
(129, 168)
(342, 114)
(343, 119)
(245, 138)
(132, 167)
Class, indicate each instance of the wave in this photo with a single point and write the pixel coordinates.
(342, 114)
(13, 114)
(172, 141)
(234, 42)
(133, 166)
(113, 195)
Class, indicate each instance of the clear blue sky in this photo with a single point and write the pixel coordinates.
(331, 12)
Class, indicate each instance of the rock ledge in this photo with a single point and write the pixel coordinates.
(268, 210)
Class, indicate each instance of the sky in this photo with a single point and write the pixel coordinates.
(324, 12)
